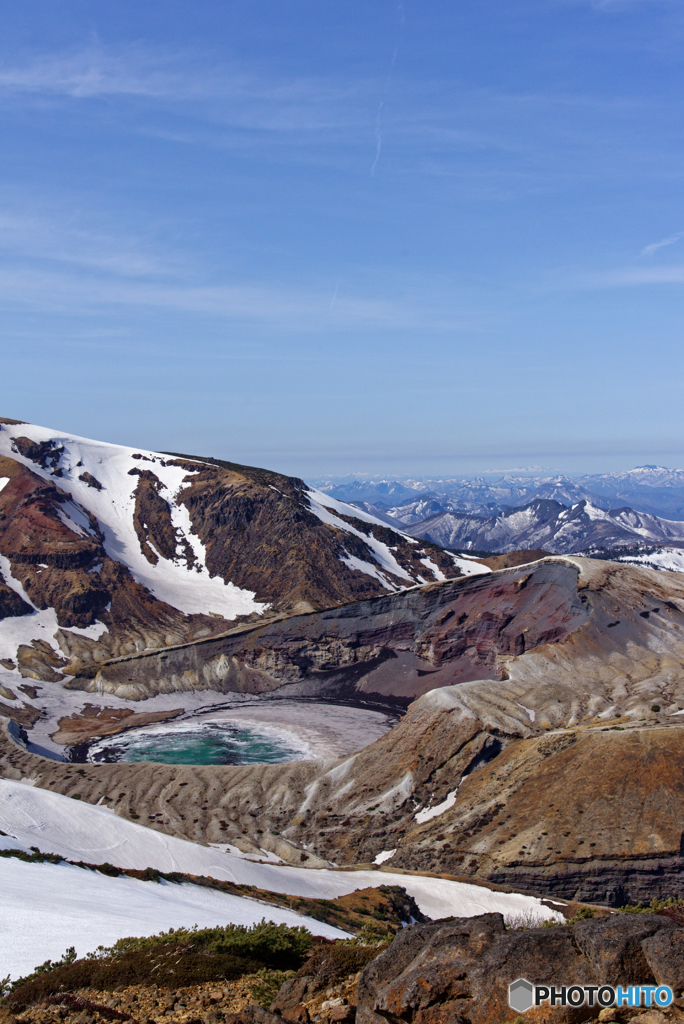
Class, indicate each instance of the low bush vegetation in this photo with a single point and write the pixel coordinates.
(672, 904)
(178, 957)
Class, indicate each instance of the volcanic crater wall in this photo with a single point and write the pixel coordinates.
(398, 646)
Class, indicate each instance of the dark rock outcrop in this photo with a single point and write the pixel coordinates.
(664, 952)
(10, 602)
(332, 968)
(458, 971)
(399, 645)
(152, 519)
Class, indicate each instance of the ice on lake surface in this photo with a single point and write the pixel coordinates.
(200, 743)
(257, 731)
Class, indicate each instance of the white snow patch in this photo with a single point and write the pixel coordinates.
(594, 513)
(434, 569)
(434, 812)
(385, 855)
(468, 567)
(75, 518)
(352, 562)
(530, 711)
(49, 907)
(4, 480)
(192, 591)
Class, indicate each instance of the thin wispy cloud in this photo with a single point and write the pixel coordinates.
(251, 304)
(96, 71)
(191, 84)
(648, 250)
(627, 277)
(68, 238)
(224, 106)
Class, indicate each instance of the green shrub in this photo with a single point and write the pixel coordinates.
(264, 989)
(654, 906)
(33, 858)
(277, 945)
(583, 914)
(67, 958)
(180, 956)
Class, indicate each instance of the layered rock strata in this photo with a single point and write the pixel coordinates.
(563, 775)
(399, 645)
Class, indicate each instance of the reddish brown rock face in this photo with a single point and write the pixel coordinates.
(257, 528)
(397, 646)
(458, 971)
(31, 530)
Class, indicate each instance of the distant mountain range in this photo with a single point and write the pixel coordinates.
(549, 525)
(651, 489)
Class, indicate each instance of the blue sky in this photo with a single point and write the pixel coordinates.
(330, 236)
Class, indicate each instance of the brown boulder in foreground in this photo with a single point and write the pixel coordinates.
(458, 971)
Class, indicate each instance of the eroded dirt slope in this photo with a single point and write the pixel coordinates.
(564, 774)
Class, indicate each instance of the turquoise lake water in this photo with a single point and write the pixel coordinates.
(199, 743)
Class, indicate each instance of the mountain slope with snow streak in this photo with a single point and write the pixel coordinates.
(78, 831)
(155, 550)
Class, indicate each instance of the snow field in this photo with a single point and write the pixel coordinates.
(469, 567)
(80, 831)
(48, 907)
(192, 591)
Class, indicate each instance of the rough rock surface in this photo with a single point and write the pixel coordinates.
(328, 978)
(399, 645)
(211, 1003)
(459, 970)
(258, 532)
(565, 775)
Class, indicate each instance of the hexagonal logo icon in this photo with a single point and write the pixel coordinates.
(520, 995)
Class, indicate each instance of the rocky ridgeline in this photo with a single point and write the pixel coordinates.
(455, 971)
(257, 531)
(561, 773)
